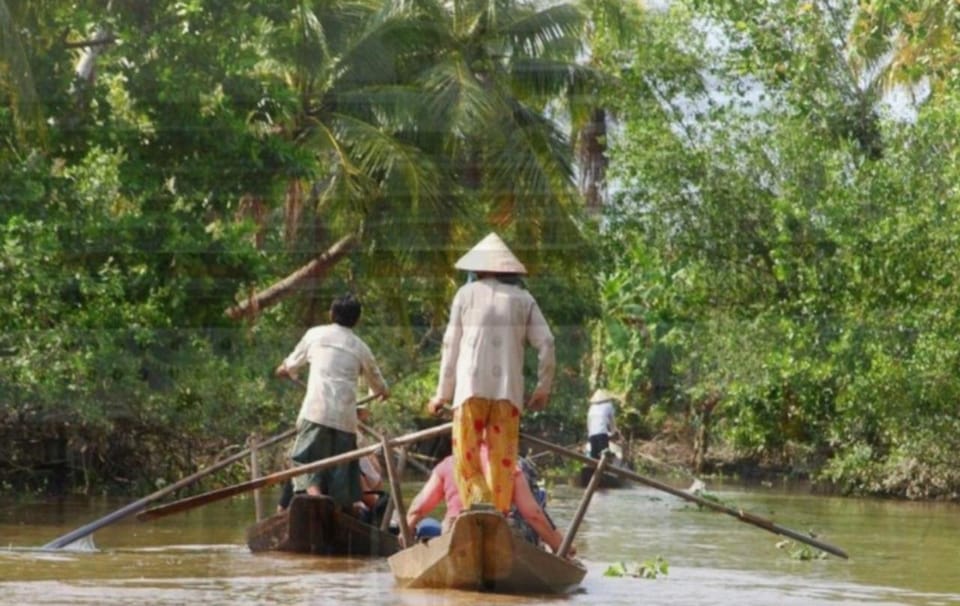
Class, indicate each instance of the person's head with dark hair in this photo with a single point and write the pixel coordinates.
(345, 311)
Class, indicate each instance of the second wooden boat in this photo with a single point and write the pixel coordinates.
(315, 525)
(481, 553)
(607, 480)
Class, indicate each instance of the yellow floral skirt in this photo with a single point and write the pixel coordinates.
(496, 423)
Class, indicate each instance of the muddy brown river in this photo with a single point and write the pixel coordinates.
(900, 553)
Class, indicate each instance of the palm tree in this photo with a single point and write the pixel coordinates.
(339, 62)
(493, 72)
(611, 28)
(436, 120)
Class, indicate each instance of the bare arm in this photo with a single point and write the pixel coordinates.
(533, 514)
(297, 358)
(426, 500)
(372, 375)
(540, 337)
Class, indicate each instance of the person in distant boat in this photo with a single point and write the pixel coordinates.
(441, 486)
(481, 370)
(327, 422)
(601, 424)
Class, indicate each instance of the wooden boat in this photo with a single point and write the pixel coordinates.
(608, 480)
(481, 553)
(315, 525)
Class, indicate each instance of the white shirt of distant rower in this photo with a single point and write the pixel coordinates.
(600, 419)
(483, 344)
(337, 357)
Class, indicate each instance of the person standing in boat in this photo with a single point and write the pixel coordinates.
(481, 370)
(327, 422)
(601, 422)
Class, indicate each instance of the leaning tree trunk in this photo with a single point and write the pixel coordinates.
(592, 150)
(701, 440)
(252, 306)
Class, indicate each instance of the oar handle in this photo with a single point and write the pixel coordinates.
(584, 503)
(737, 513)
(280, 476)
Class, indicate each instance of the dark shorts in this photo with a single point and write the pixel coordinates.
(598, 443)
(315, 442)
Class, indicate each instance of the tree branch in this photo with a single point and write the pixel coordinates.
(273, 294)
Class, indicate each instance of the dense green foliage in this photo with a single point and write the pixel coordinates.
(773, 273)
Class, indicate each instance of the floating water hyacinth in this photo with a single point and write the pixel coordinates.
(648, 569)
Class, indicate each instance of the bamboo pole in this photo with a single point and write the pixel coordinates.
(396, 492)
(402, 461)
(739, 514)
(584, 503)
(254, 474)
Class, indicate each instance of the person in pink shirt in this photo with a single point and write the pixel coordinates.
(441, 487)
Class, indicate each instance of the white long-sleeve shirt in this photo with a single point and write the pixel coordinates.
(482, 356)
(337, 357)
(600, 419)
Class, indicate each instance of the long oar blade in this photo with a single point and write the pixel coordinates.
(737, 513)
(140, 504)
(281, 476)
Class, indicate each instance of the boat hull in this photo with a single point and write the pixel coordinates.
(315, 525)
(481, 553)
(607, 480)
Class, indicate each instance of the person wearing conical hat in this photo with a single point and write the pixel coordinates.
(600, 421)
(481, 370)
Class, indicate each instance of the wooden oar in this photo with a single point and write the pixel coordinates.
(737, 513)
(396, 492)
(584, 503)
(418, 466)
(140, 504)
(280, 476)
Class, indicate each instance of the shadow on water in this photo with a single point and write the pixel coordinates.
(901, 553)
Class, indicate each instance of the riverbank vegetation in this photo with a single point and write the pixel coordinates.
(740, 216)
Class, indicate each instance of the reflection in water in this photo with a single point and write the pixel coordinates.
(901, 553)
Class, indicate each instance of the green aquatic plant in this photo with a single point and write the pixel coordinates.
(648, 569)
(801, 552)
(707, 496)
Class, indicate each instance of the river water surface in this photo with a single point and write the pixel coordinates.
(900, 553)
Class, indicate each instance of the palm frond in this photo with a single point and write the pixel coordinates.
(456, 98)
(535, 156)
(540, 33)
(549, 78)
(392, 162)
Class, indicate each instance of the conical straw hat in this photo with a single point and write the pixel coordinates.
(602, 395)
(491, 255)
